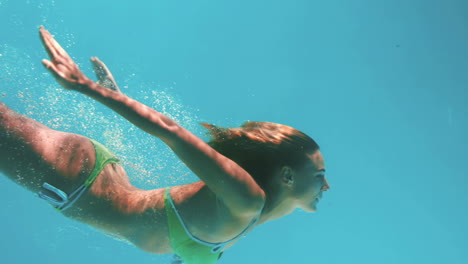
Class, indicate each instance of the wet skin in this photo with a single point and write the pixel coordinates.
(31, 154)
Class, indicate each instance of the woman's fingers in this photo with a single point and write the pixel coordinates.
(103, 74)
(45, 42)
(53, 48)
(61, 66)
(52, 68)
(58, 75)
(100, 68)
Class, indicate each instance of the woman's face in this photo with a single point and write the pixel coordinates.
(310, 182)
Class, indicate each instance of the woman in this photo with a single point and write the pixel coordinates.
(249, 175)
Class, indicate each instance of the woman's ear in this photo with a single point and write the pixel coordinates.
(287, 175)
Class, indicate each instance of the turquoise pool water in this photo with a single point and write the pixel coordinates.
(380, 85)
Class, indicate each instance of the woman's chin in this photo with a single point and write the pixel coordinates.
(312, 208)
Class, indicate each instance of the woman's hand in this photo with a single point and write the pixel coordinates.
(103, 75)
(62, 67)
(65, 70)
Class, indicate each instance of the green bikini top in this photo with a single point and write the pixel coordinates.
(190, 248)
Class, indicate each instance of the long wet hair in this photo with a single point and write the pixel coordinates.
(261, 147)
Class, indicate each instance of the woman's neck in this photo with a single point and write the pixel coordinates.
(276, 206)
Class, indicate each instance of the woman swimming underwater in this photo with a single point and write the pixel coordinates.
(249, 175)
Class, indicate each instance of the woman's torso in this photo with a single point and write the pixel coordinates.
(121, 210)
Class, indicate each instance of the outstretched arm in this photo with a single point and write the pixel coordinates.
(225, 178)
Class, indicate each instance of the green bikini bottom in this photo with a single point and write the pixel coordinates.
(59, 199)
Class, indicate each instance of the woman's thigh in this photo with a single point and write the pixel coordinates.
(31, 153)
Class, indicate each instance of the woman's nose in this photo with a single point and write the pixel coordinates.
(325, 187)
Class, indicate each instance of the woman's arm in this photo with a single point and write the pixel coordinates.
(225, 178)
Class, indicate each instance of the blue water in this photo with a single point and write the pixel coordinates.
(381, 85)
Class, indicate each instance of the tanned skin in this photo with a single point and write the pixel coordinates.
(226, 196)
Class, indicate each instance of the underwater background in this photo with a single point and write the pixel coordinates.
(380, 85)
